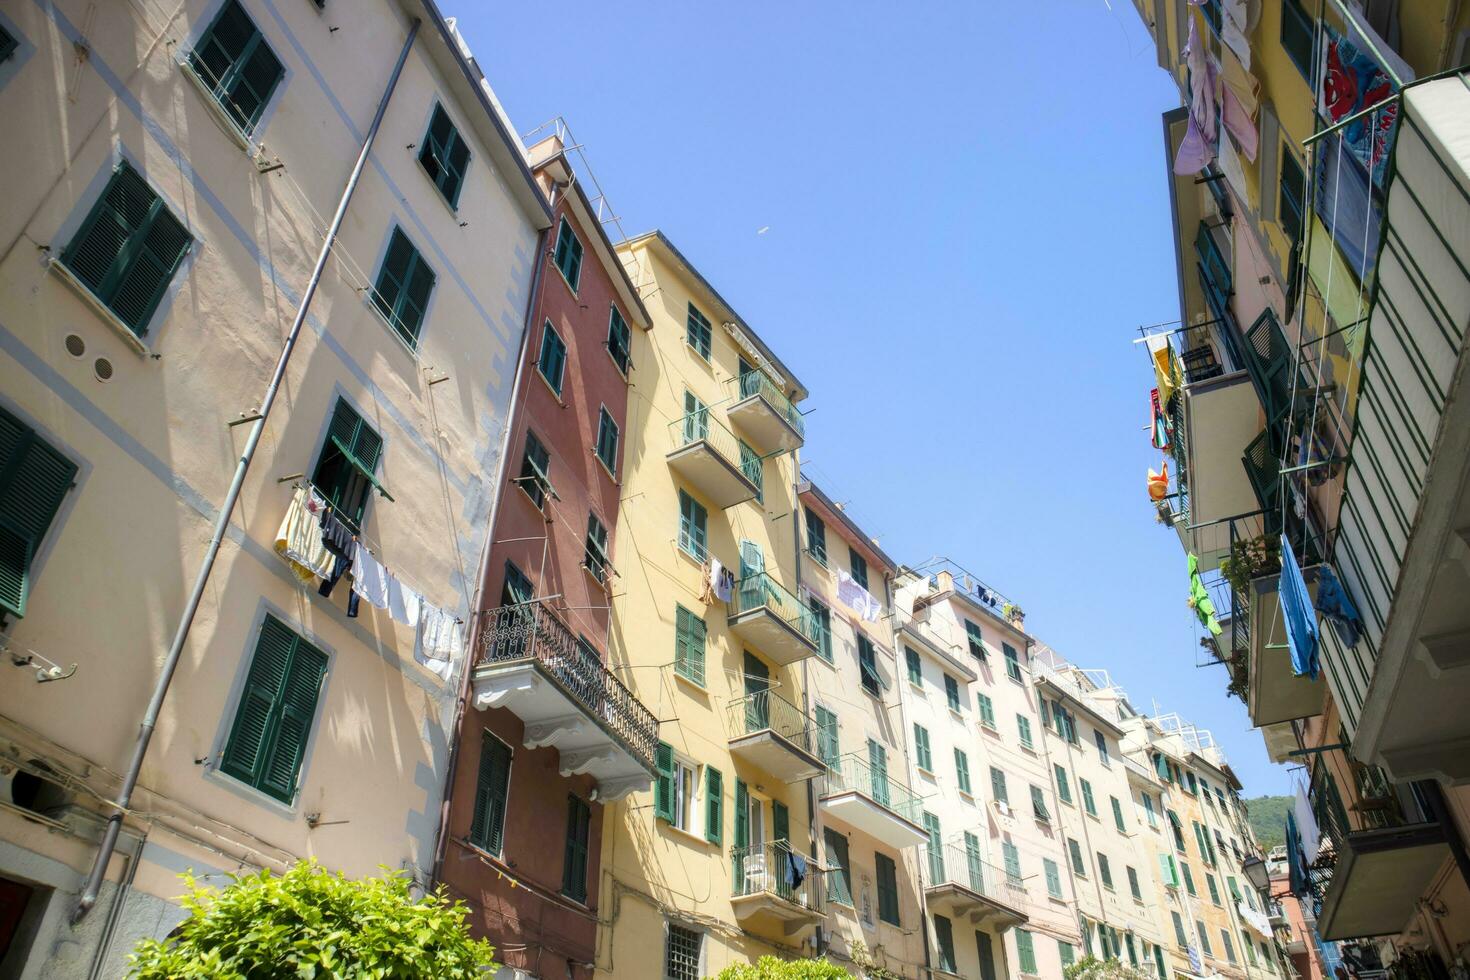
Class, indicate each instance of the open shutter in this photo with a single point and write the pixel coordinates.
(742, 834)
(663, 790)
(574, 867)
(878, 766)
(714, 805)
(257, 78)
(297, 709)
(974, 864)
(393, 275)
(34, 479)
(780, 822)
(258, 714)
(488, 824)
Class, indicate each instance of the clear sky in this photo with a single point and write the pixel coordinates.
(967, 219)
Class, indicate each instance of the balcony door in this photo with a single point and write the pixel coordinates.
(758, 702)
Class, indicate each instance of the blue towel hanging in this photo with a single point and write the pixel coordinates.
(1297, 611)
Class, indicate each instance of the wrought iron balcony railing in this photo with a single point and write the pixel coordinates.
(775, 868)
(856, 774)
(962, 864)
(760, 591)
(757, 383)
(768, 711)
(702, 426)
(530, 632)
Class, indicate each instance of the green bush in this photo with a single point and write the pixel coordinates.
(770, 968)
(313, 924)
(1092, 968)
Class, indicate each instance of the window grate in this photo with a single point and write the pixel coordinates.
(682, 949)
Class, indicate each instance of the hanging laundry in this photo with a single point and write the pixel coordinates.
(1158, 483)
(1166, 368)
(795, 869)
(439, 641)
(1337, 606)
(1308, 834)
(370, 578)
(1161, 428)
(1247, 87)
(1352, 81)
(909, 594)
(721, 581)
(1193, 153)
(1199, 599)
(1233, 28)
(403, 603)
(858, 598)
(1231, 167)
(1239, 124)
(1297, 613)
(299, 539)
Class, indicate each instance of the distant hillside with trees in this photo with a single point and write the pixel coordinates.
(1268, 819)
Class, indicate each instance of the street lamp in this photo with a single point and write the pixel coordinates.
(1255, 871)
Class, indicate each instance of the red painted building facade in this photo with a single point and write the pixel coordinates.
(547, 733)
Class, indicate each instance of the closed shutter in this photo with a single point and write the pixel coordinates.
(1012, 857)
(1026, 951)
(944, 936)
(663, 790)
(933, 849)
(887, 873)
(987, 955)
(445, 155)
(839, 879)
(998, 785)
(268, 738)
(1053, 878)
(714, 805)
(828, 748)
(404, 284)
(574, 868)
(34, 479)
(974, 863)
(878, 772)
(487, 827)
(259, 74)
(780, 822)
(237, 65)
(689, 642)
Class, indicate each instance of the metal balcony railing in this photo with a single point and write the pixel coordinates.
(961, 863)
(760, 591)
(856, 774)
(769, 869)
(768, 711)
(530, 631)
(702, 426)
(758, 383)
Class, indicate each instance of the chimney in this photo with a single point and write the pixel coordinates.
(946, 581)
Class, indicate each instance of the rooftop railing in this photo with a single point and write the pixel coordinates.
(530, 632)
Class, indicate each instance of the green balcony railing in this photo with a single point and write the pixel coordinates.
(759, 591)
(855, 774)
(764, 711)
(757, 383)
(963, 864)
(769, 869)
(702, 426)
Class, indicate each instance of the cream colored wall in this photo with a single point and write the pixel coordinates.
(155, 452)
(651, 872)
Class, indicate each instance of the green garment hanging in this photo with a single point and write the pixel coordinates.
(1200, 600)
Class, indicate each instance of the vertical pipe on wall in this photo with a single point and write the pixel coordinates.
(222, 523)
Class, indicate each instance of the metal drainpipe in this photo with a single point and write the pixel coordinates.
(222, 523)
(441, 843)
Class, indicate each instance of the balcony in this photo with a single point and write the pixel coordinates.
(711, 459)
(532, 665)
(771, 889)
(1277, 693)
(960, 884)
(772, 620)
(763, 411)
(773, 735)
(1280, 741)
(867, 800)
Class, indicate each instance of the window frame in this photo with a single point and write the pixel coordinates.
(552, 342)
(485, 836)
(697, 938)
(1295, 18)
(857, 567)
(456, 142)
(1013, 663)
(962, 771)
(567, 236)
(695, 320)
(816, 538)
(605, 421)
(923, 756)
(885, 874)
(986, 707)
(579, 820)
(595, 556)
(624, 340)
(392, 312)
(222, 88)
(539, 475)
(687, 664)
(33, 460)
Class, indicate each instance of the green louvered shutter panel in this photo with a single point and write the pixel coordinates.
(742, 835)
(34, 479)
(780, 821)
(416, 302)
(248, 751)
(714, 805)
(574, 864)
(1025, 951)
(222, 46)
(298, 708)
(1012, 856)
(238, 65)
(974, 863)
(878, 772)
(828, 747)
(663, 789)
(393, 276)
(487, 828)
(259, 75)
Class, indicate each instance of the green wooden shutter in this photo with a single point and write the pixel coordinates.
(1012, 857)
(393, 273)
(934, 849)
(974, 863)
(487, 826)
(297, 709)
(998, 785)
(742, 814)
(1026, 951)
(780, 822)
(839, 879)
(944, 937)
(34, 479)
(1053, 878)
(1118, 816)
(877, 772)
(828, 746)
(663, 788)
(237, 65)
(714, 805)
(574, 867)
(887, 873)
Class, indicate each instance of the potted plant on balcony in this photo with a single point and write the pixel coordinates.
(1250, 558)
(1013, 614)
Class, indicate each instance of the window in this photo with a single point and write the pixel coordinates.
(932, 848)
(696, 419)
(816, 538)
(1179, 935)
(568, 254)
(859, 567)
(574, 866)
(1053, 878)
(987, 710)
(822, 620)
(921, 748)
(607, 441)
(444, 156)
(405, 282)
(128, 249)
(1190, 786)
(975, 865)
(998, 786)
(868, 666)
(1038, 805)
(1178, 831)
(1074, 850)
(1064, 789)
(754, 468)
(1292, 194)
(619, 340)
(237, 66)
(273, 720)
(683, 949)
(827, 743)
(1148, 809)
(952, 693)
(346, 464)
(1188, 879)
(535, 472)
(518, 588)
(944, 939)
(1204, 937)
(698, 333)
(962, 771)
(840, 879)
(34, 479)
(1023, 726)
(878, 772)
(595, 554)
(1013, 662)
(1249, 947)
(693, 531)
(1213, 888)
(1101, 741)
(972, 636)
(552, 361)
(1067, 953)
(1012, 858)
(674, 790)
(1105, 871)
(1169, 870)
(1088, 803)
(714, 804)
(1025, 951)
(916, 671)
(1133, 888)
(1297, 31)
(8, 44)
(887, 874)
(1234, 889)
(689, 642)
(1118, 815)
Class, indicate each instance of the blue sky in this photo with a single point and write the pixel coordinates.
(967, 219)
